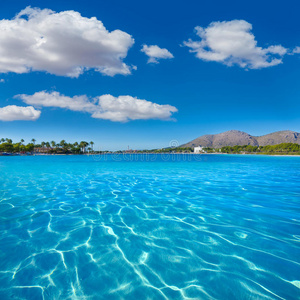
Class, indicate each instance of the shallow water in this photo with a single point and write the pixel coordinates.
(150, 227)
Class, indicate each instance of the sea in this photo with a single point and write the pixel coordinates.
(149, 226)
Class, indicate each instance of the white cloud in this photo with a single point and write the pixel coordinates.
(19, 113)
(107, 107)
(232, 43)
(125, 108)
(63, 43)
(2, 80)
(296, 50)
(55, 99)
(155, 53)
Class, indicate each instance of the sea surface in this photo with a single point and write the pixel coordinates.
(150, 227)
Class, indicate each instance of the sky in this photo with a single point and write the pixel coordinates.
(146, 75)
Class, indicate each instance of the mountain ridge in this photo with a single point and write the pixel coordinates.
(237, 137)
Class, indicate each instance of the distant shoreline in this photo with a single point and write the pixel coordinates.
(147, 153)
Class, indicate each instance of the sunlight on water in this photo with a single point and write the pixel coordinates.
(206, 227)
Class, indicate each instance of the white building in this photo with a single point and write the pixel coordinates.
(198, 149)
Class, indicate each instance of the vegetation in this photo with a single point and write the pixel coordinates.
(171, 150)
(7, 146)
(210, 150)
(162, 150)
(280, 149)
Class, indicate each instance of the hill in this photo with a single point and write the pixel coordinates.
(236, 137)
(279, 137)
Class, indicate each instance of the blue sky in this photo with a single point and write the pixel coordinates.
(212, 93)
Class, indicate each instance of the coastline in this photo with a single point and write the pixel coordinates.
(152, 153)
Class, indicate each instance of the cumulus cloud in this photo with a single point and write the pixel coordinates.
(55, 99)
(125, 108)
(296, 50)
(155, 53)
(232, 43)
(63, 43)
(19, 113)
(2, 80)
(107, 107)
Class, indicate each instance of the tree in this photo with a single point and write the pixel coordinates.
(83, 145)
(7, 147)
(33, 141)
(16, 147)
(29, 147)
(92, 144)
(62, 143)
(22, 141)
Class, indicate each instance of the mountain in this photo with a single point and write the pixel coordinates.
(236, 137)
(279, 137)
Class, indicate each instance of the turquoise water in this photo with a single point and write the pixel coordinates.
(150, 227)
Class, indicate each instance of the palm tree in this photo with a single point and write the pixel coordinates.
(8, 141)
(83, 145)
(2, 140)
(53, 144)
(22, 141)
(92, 144)
(33, 142)
(62, 143)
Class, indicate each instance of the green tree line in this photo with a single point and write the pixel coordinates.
(7, 145)
(284, 148)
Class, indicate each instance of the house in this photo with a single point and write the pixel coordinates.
(43, 150)
(198, 149)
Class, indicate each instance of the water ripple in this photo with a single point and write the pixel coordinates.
(224, 227)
